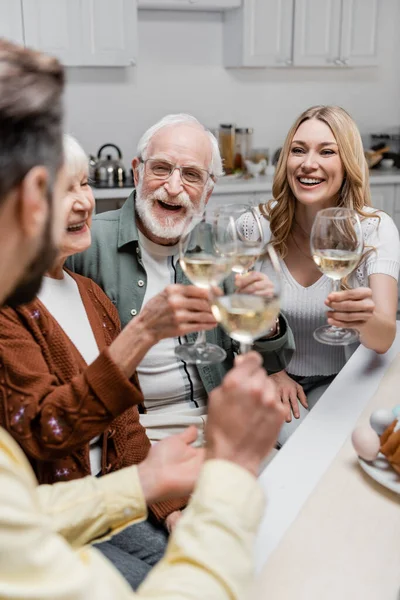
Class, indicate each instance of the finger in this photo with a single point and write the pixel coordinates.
(353, 306)
(177, 301)
(249, 363)
(251, 276)
(302, 396)
(346, 317)
(353, 294)
(257, 287)
(294, 403)
(184, 329)
(286, 404)
(188, 316)
(191, 291)
(342, 324)
(189, 435)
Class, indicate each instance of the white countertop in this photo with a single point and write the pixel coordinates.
(230, 185)
(293, 474)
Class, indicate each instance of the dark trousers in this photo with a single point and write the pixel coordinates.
(135, 550)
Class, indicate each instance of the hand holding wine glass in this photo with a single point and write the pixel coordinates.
(249, 234)
(246, 317)
(206, 251)
(336, 247)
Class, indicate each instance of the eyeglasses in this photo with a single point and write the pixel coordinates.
(162, 169)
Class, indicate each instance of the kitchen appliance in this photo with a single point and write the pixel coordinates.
(109, 171)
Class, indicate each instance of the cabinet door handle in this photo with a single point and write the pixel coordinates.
(288, 62)
(345, 62)
(338, 62)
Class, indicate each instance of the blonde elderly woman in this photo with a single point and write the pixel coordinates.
(322, 165)
(75, 411)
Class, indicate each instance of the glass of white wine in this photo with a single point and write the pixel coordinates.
(248, 317)
(249, 233)
(336, 246)
(206, 251)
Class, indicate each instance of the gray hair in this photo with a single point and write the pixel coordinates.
(216, 168)
(75, 158)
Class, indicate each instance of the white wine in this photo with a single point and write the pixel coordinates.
(336, 264)
(243, 262)
(245, 317)
(205, 270)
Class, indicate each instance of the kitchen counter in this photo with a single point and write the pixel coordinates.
(329, 530)
(230, 185)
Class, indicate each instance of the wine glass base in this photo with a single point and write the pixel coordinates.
(336, 336)
(200, 354)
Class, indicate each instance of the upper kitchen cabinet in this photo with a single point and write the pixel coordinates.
(302, 33)
(11, 21)
(189, 4)
(359, 43)
(83, 32)
(317, 33)
(340, 33)
(259, 34)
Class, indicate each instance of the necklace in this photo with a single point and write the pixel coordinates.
(302, 251)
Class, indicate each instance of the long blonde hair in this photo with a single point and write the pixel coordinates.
(354, 192)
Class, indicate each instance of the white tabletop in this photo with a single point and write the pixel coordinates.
(294, 473)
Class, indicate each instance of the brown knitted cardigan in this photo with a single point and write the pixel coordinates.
(53, 403)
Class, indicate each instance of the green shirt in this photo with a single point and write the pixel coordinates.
(114, 262)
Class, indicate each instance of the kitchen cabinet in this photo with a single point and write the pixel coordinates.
(317, 31)
(259, 34)
(83, 32)
(189, 4)
(302, 33)
(336, 33)
(383, 197)
(396, 213)
(359, 42)
(11, 21)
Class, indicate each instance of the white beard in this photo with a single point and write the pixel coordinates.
(172, 226)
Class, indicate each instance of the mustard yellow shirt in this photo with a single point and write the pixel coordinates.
(44, 531)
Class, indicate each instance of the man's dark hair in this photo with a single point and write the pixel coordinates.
(31, 87)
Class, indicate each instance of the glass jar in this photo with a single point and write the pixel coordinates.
(243, 144)
(226, 140)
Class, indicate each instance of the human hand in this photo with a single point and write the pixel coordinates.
(176, 311)
(171, 467)
(254, 282)
(172, 520)
(245, 415)
(290, 393)
(351, 308)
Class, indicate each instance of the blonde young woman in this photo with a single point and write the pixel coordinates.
(322, 165)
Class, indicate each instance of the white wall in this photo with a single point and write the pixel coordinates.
(180, 69)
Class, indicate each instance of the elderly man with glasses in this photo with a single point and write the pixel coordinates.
(134, 256)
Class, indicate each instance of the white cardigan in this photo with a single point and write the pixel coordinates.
(305, 309)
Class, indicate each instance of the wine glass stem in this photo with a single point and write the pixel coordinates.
(201, 338)
(335, 288)
(244, 347)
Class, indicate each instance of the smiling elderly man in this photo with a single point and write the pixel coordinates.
(134, 255)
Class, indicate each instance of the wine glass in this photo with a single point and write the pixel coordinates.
(249, 233)
(336, 246)
(247, 317)
(205, 255)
